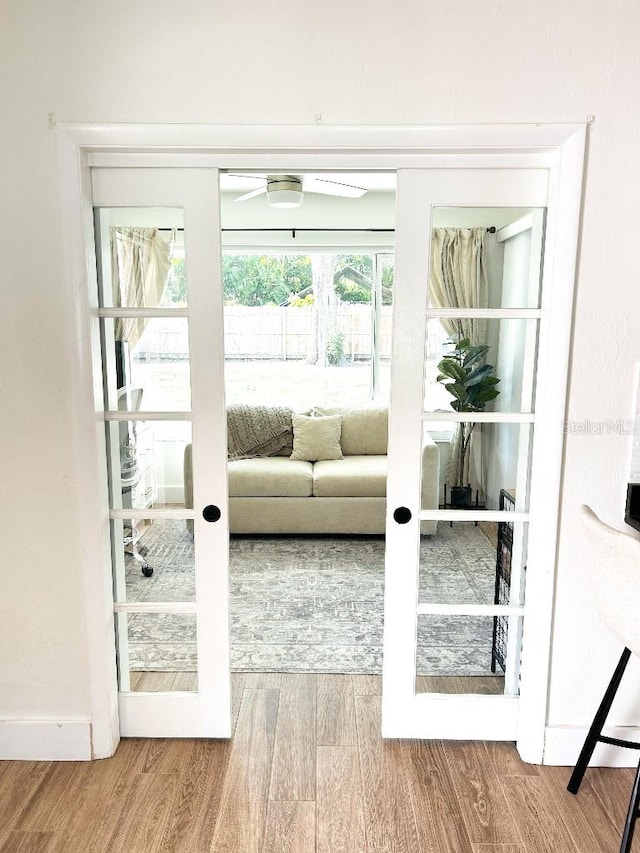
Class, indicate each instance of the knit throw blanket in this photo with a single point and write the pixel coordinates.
(257, 430)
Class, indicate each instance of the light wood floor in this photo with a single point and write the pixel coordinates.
(308, 771)
(158, 682)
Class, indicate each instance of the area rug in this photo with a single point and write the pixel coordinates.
(315, 604)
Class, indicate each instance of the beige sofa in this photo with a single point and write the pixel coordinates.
(275, 494)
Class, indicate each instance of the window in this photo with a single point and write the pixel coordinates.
(304, 330)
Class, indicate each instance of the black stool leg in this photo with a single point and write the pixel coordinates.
(597, 724)
(632, 814)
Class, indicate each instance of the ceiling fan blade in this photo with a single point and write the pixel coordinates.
(252, 194)
(244, 175)
(318, 185)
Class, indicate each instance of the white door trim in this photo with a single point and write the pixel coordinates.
(559, 147)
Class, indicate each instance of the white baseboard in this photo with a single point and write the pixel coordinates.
(45, 740)
(563, 744)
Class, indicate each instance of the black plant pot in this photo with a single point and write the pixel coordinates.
(460, 497)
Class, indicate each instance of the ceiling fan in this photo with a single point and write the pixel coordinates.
(288, 190)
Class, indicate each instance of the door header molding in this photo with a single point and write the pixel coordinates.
(262, 139)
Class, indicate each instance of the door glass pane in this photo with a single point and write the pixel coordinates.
(153, 560)
(157, 652)
(474, 464)
(473, 563)
(499, 248)
(468, 654)
(454, 645)
(141, 262)
(384, 319)
(147, 462)
(458, 565)
(510, 358)
(154, 374)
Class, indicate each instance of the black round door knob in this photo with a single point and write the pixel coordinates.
(211, 513)
(402, 515)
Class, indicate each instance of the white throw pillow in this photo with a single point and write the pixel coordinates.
(316, 438)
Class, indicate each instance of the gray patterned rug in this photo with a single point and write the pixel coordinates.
(315, 604)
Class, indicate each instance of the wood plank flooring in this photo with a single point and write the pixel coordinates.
(308, 771)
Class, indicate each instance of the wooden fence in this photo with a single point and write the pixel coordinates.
(277, 333)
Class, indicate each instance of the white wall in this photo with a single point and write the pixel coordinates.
(283, 62)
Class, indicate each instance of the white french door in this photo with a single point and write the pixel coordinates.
(164, 413)
(444, 676)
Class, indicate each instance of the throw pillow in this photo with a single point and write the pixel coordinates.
(364, 431)
(316, 439)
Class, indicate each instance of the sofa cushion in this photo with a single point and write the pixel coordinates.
(270, 476)
(364, 431)
(316, 438)
(351, 477)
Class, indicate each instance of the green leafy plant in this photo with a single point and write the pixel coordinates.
(298, 302)
(335, 348)
(472, 384)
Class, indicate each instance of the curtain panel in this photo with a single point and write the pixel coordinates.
(140, 264)
(458, 279)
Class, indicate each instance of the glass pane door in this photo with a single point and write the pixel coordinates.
(467, 327)
(161, 331)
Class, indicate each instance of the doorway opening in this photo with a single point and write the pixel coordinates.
(308, 301)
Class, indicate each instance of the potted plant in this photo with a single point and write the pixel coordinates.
(472, 384)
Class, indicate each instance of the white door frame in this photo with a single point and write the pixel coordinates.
(560, 148)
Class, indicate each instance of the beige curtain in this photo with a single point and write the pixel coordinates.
(458, 279)
(140, 263)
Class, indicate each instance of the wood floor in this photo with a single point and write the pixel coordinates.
(308, 771)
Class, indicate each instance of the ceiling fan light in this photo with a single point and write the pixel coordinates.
(285, 198)
(284, 192)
